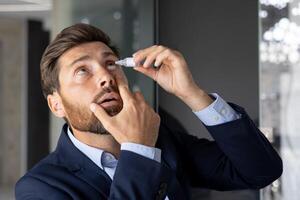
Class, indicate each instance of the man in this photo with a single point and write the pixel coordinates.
(114, 145)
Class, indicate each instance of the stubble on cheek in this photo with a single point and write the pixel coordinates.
(82, 119)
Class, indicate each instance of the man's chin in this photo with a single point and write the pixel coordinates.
(113, 110)
(96, 128)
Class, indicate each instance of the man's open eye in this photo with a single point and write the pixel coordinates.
(81, 71)
(111, 65)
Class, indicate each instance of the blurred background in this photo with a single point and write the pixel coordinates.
(246, 51)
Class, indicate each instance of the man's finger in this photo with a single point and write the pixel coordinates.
(150, 72)
(141, 55)
(163, 56)
(122, 83)
(151, 57)
(125, 93)
(139, 96)
(107, 121)
(100, 113)
(121, 79)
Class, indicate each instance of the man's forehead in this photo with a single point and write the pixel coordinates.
(90, 49)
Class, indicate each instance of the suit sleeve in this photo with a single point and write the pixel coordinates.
(239, 158)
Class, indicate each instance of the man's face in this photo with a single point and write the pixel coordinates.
(88, 74)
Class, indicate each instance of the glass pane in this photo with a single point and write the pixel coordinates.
(280, 90)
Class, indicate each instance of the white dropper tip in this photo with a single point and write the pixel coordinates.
(127, 62)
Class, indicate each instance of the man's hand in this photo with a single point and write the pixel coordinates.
(137, 122)
(172, 75)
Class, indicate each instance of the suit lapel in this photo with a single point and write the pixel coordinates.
(170, 160)
(81, 165)
(168, 149)
(95, 177)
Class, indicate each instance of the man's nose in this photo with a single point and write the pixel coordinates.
(106, 79)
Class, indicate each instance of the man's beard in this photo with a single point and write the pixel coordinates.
(81, 118)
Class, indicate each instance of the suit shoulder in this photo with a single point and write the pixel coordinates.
(27, 187)
(34, 181)
(37, 182)
(33, 188)
(47, 166)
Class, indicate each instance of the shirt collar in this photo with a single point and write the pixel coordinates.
(92, 153)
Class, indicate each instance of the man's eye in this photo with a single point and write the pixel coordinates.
(81, 71)
(111, 66)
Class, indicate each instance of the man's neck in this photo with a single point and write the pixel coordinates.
(104, 142)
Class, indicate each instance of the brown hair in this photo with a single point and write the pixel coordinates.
(68, 38)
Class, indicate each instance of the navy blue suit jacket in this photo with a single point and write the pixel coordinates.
(239, 158)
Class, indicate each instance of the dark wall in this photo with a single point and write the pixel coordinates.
(219, 40)
(38, 113)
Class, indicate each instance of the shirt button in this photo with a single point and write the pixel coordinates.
(108, 157)
(216, 118)
(223, 111)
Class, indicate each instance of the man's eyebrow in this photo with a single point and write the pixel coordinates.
(108, 53)
(85, 57)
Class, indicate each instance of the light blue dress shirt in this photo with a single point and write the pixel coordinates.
(218, 112)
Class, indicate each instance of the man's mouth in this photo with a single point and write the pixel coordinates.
(109, 99)
(109, 102)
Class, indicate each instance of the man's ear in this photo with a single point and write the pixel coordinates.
(55, 105)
